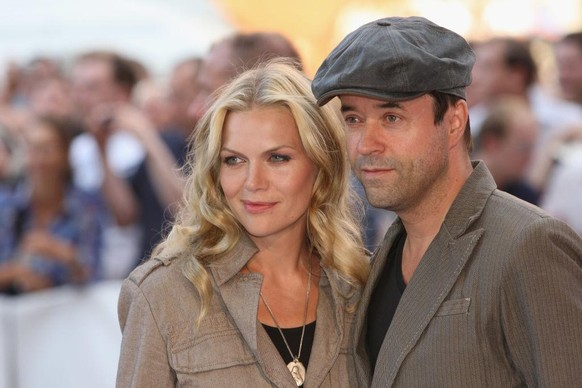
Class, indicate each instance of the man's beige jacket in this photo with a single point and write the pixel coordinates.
(495, 302)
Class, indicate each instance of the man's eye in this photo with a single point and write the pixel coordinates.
(350, 120)
(391, 118)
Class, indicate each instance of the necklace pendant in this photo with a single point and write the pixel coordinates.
(297, 371)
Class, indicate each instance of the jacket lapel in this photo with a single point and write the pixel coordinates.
(241, 299)
(239, 293)
(431, 283)
(328, 333)
(240, 296)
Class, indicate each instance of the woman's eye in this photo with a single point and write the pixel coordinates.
(279, 158)
(231, 160)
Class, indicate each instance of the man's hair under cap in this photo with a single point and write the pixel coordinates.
(396, 58)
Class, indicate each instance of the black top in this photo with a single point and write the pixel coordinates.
(384, 300)
(293, 337)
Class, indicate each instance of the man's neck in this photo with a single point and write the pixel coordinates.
(420, 232)
(423, 222)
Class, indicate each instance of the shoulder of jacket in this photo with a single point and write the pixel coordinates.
(504, 212)
(154, 265)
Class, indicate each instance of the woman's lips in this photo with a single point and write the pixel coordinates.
(257, 207)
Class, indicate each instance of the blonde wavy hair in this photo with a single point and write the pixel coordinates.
(206, 228)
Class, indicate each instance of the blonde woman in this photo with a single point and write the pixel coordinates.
(257, 282)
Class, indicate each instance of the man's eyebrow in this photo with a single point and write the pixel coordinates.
(382, 105)
(346, 108)
(389, 104)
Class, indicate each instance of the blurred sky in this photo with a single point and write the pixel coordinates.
(158, 32)
(161, 32)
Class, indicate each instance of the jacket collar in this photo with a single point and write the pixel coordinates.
(470, 202)
(228, 265)
(239, 293)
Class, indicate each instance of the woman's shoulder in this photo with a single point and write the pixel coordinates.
(160, 284)
(156, 272)
(157, 296)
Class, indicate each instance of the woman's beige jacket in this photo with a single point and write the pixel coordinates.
(162, 347)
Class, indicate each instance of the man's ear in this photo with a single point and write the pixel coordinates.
(457, 118)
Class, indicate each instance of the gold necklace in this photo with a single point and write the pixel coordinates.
(295, 366)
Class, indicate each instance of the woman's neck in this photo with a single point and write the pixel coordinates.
(280, 262)
(286, 253)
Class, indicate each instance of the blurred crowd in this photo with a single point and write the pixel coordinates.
(92, 148)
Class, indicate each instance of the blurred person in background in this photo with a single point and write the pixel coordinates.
(50, 231)
(11, 84)
(231, 56)
(505, 66)
(568, 53)
(19, 86)
(506, 144)
(183, 90)
(101, 81)
(151, 96)
(51, 97)
(145, 196)
(20, 79)
(560, 173)
(150, 193)
(558, 165)
(157, 183)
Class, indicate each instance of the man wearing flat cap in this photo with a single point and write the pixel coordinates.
(471, 286)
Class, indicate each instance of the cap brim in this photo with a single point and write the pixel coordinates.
(326, 97)
(386, 96)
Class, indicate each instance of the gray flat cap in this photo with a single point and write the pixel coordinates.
(396, 58)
